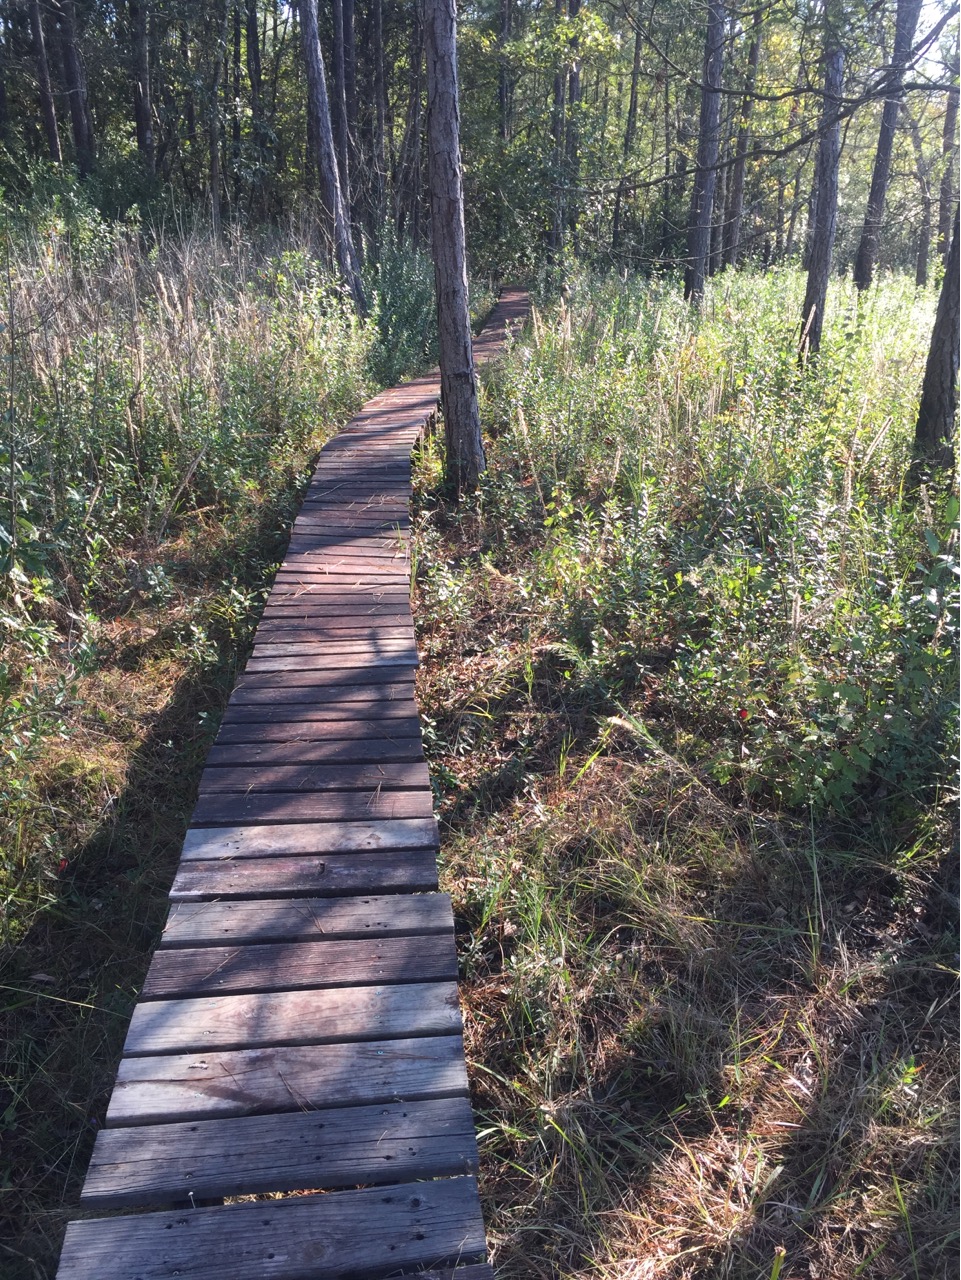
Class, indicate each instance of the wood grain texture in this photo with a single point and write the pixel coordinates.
(347, 837)
(330, 733)
(307, 919)
(343, 1147)
(304, 751)
(334, 806)
(414, 871)
(385, 715)
(256, 689)
(344, 1234)
(409, 775)
(160, 1090)
(272, 1018)
(293, 966)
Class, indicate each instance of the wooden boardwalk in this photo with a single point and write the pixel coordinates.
(296, 1048)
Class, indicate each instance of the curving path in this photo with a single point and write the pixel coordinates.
(298, 1031)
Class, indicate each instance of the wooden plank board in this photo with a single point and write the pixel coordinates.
(305, 919)
(302, 839)
(286, 752)
(335, 873)
(356, 663)
(164, 1089)
(294, 966)
(344, 1234)
(283, 630)
(329, 675)
(335, 734)
(279, 691)
(266, 1018)
(250, 1155)
(386, 713)
(396, 647)
(335, 806)
(405, 775)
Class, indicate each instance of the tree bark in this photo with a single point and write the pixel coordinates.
(934, 430)
(142, 105)
(213, 122)
(732, 239)
(75, 83)
(825, 214)
(408, 192)
(559, 218)
(630, 131)
(949, 154)
(572, 131)
(922, 171)
(326, 157)
(904, 27)
(705, 177)
(465, 448)
(47, 108)
(339, 97)
(503, 72)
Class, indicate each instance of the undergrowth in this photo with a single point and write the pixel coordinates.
(164, 400)
(690, 695)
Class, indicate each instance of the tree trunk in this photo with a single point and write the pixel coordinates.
(380, 118)
(465, 448)
(503, 72)
(822, 231)
(630, 130)
(75, 83)
(571, 134)
(236, 76)
(213, 122)
(326, 157)
(732, 246)
(408, 193)
(142, 105)
(559, 220)
(949, 154)
(47, 108)
(922, 171)
(867, 256)
(339, 98)
(705, 177)
(934, 430)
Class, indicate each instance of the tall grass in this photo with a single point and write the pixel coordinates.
(690, 686)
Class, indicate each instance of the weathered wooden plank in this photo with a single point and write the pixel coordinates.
(343, 1234)
(384, 598)
(397, 734)
(303, 838)
(282, 629)
(307, 919)
(389, 713)
(293, 966)
(249, 1155)
(279, 691)
(336, 873)
(353, 751)
(404, 775)
(266, 1018)
(396, 647)
(164, 1089)
(334, 806)
(329, 675)
(476, 1271)
(321, 658)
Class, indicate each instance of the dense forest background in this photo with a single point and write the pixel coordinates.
(689, 651)
(588, 130)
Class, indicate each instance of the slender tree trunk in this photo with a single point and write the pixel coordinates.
(949, 153)
(922, 171)
(326, 157)
(465, 448)
(821, 237)
(339, 97)
(732, 247)
(213, 122)
(380, 117)
(572, 132)
(938, 410)
(75, 83)
(705, 177)
(255, 78)
(142, 104)
(408, 195)
(47, 109)
(350, 99)
(630, 131)
(557, 136)
(236, 69)
(503, 72)
(867, 256)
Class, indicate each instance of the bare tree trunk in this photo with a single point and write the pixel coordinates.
(47, 108)
(236, 75)
(867, 256)
(705, 177)
(922, 171)
(949, 153)
(339, 98)
(75, 82)
(213, 122)
(408, 194)
(937, 413)
(732, 245)
(559, 220)
(503, 72)
(380, 117)
(630, 130)
(142, 105)
(821, 235)
(327, 159)
(465, 448)
(572, 131)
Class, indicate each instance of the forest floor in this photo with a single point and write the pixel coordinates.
(688, 684)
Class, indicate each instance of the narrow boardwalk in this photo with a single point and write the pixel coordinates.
(298, 1030)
